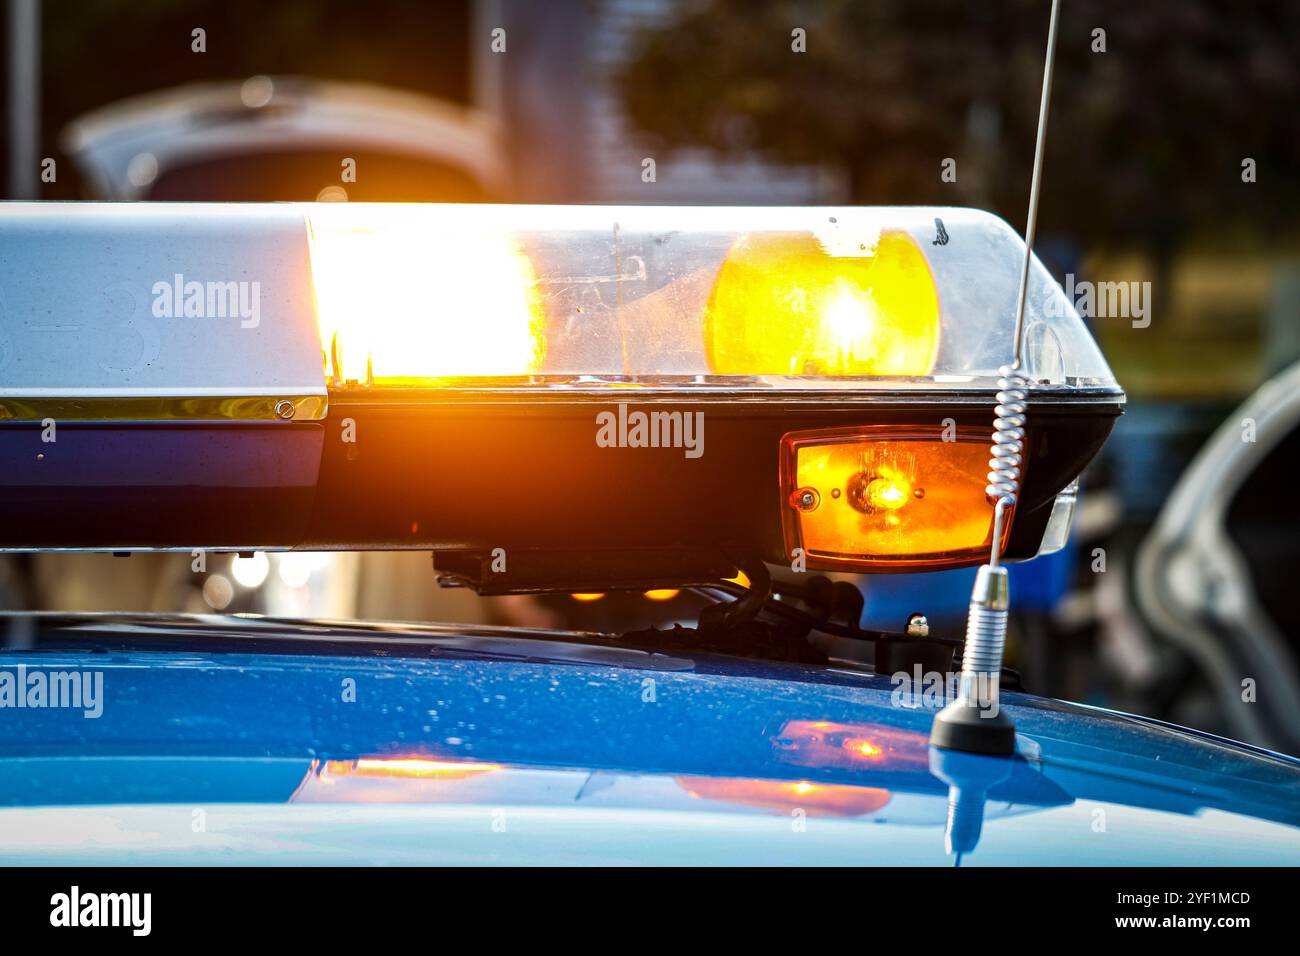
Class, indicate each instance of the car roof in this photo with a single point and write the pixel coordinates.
(454, 723)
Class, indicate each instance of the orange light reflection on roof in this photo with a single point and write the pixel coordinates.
(816, 799)
(833, 745)
(864, 748)
(406, 767)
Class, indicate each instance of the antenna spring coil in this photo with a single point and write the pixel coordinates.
(1008, 436)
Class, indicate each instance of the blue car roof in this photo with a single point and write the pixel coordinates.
(293, 734)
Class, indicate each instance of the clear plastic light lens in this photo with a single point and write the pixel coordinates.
(822, 298)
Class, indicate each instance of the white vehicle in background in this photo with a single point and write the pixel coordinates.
(1206, 576)
(267, 139)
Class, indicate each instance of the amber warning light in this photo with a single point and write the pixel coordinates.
(416, 367)
(885, 499)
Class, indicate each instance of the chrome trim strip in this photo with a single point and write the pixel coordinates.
(235, 405)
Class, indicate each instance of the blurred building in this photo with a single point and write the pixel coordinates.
(569, 135)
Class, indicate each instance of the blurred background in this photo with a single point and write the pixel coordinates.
(1173, 158)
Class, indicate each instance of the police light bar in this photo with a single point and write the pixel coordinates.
(659, 389)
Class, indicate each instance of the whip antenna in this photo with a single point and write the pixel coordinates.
(974, 722)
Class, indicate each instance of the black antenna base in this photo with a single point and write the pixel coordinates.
(965, 726)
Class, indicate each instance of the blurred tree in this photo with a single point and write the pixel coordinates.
(1145, 142)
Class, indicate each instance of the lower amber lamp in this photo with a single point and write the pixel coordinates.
(885, 498)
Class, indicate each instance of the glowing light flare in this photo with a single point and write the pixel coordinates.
(662, 594)
(741, 578)
(886, 498)
(798, 304)
(861, 747)
(218, 592)
(408, 305)
(251, 571)
(295, 568)
(887, 491)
